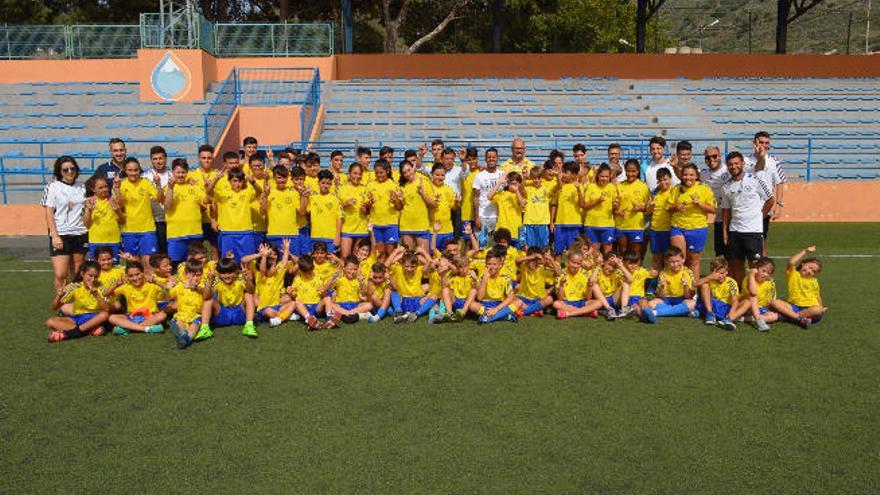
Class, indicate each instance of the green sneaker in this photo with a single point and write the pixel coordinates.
(249, 330)
(157, 328)
(204, 333)
(119, 331)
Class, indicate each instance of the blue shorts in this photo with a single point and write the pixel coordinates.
(763, 311)
(82, 318)
(720, 309)
(634, 236)
(458, 304)
(355, 236)
(140, 243)
(660, 241)
(261, 315)
(209, 234)
(603, 235)
(348, 306)
(564, 236)
(230, 315)
(419, 234)
(386, 234)
(177, 246)
(490, 304)
(442, 241)
(535, 235)
(259, 238)
(672, 301)
(576, 304)
(633, 300)
(695, 239)
(410, 304)
(526, 301)
(797, 309)
(610, 301)
(277, 241)
(182, 325)
(240, 243)
(310, 244)
(113, 247)
(162, 305)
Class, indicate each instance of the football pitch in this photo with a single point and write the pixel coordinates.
(574, 406)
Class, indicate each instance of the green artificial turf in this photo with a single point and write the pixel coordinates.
(576, 406)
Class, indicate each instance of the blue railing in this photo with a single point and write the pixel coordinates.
(221, 108)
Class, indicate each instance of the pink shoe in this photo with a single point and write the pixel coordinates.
(562, 314)
(593, 314)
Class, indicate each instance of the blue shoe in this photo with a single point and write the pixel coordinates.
(157, 328)
(183, 338)
(727, 324)
(710, 319)
(649, 316)
(483, 319)
(511, 318)
(119, 331)
(694, 314)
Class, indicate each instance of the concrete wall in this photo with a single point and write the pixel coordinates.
(271, 125)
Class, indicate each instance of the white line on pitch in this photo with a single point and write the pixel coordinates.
(14, 270)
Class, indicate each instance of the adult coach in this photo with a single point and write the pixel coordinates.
(485, 211)
(715, 175)
(63, 200)
(745, 198)
(116, 165)
(771, 172)
(517, 162)
(159, 166)
(454, 176)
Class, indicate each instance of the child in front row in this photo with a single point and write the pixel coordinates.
(143, 313)
(378, 290)
(459, 287)
(89, 310)
(189, 298)
(269, 272)
(718, 294)
(574, 288)
(633, 261)
(349, 298)
(675, 288)
(408, 268)
(495, 294)
(307, 292)
(804, 304)
(613, 281)
(537, 270)
(230, 300)
(757, 292)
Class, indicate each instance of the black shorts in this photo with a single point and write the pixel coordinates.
(718, 239)
(766, 226)
(744, 246)
(72, 244)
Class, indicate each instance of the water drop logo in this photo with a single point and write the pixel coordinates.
(171, 78)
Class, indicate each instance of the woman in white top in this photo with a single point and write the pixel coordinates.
(68, 235)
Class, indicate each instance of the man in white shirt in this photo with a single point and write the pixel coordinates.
(745, 198)
(657, 147)
(485, 211)
(715, 175)
(771, 173)
(159, 161)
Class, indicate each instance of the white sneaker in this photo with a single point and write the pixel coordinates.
(274, 322)
(295, 317)
(373, 318)
(364, 316)
(762, 325)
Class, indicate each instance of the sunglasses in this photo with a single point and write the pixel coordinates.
(68, 169)
(711, 156)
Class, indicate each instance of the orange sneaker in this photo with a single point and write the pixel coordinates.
(98, 332)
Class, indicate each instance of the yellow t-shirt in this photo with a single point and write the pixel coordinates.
(435, 285)
(370, 176)
(522, 168)
(537, 210)
(267, 288)
(259, 222)
(766, 291)
(189, 303)
(409, 286)
(445, 198)
(234, 209)
(637, 287)
(108, 278)
(308, 291)
(185, 215)
(802, 291)
(200, 176)
(105, 224)
(508, 267)
(84, 302)
(324, 271)
(725, 290)
(312, 183)
(135, 199)
(461, 285)
(576, 287)
(693, 217)
(354, 221)
(498, 288)
(661, 219)
(552, 192)
(467, 197)
(143, 297)
(677, 284)
(230, 294)
(509, 213)
(414, 216)
(632, 194)
(366, 265)
(533, 283)
(281, 212)
(609, 284)
(347, 290)
(207, 268)
(568, 210)
(383, 213)
(602, 214)
(324, 213)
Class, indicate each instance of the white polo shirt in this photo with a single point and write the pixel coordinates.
(164, 177)
(651, 174)
(483, 183)
(67, 200)
(773, 174)
(715, 179)
(745, 199)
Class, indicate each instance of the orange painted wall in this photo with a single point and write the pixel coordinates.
(18, 71)
(827, 201)
(272, 126)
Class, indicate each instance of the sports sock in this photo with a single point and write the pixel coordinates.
(426, 306)
(680, 309)
(381, 313)
(502, 314)
(533, 308)
(396, 303)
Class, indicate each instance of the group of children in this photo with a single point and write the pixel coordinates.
(255, 241)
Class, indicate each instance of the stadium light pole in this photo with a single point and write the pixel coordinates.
(703, 28)
(626, 43)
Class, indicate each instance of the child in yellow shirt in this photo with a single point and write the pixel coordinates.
(408, 268)
(384, 203)
(508, 194)
(234, 219)
(278, 204)
(134, 193)
(143, 314)
(537, 270)
(347, 301)
(378, 291)
(568, 222)
(307, 292)
(629, 212)
(495, 296)
(355, 216)
(231, 302)
(88, 308)
(675, 288)
(189, 298)
(325, 213)
(459, 287)
(804, 304)
(574, 289)
(102, 215)
(184, 203)
(661, 218)
(718, 294)
(445, 201)
(536, 215)
(597, 199)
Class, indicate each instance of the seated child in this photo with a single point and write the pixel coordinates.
(537, 271)
(675, 289)
(408, 268)
(612, 284)
(804, 303)
(162, 271)
(574, 288)
(231, 302)
(494, 292)
(142, 312)
(307, 293)
(379, 291)
(757, 292)
(718, 294)
(190, 298)
(88, 308)
(633, 261)
(349, 298)
(459, 288)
